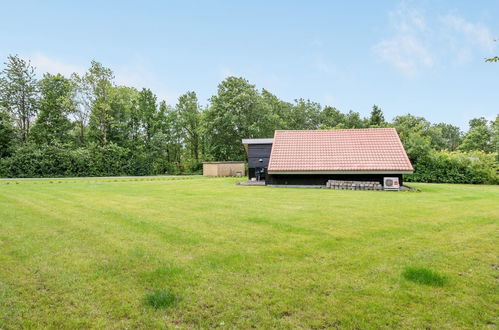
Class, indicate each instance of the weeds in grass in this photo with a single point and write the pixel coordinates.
(161, 299)
(424, 276)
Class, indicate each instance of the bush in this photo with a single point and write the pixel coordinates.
(58, 161)
(456, 167)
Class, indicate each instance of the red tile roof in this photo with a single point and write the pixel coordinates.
(348, 150)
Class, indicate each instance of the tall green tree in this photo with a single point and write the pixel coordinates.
(445, 136)
(236, 112)
(190, 119)
(19, 93)
(479, 136)
(148, 110)
(123, 102)
(377, 118)
(495, 136)
(8, 135)
(413, 132)
(53, 126)
(278, 112)
(98, 81)
(305, 114)
(171, 134)
(332, 118)
(353, 119)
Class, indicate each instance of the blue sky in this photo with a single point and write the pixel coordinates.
(420, 57)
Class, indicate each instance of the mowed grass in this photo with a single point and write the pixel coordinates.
(199, 253)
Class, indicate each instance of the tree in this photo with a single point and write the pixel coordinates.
(377, 119)
(56, 105)
(148, 112)
(170, 134)
(7, 135)
(189, 118)
(354, 120)
(305, 115)
(495, 136)
(236, 112)
(413, 132)
(97, 83)
(479, 136)
(445, 136)
(332, 118)
(19, 93)
(278, 112)
(123, 102)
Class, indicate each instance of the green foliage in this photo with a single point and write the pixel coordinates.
(56, 104)
(190, 122)
(56, 161)
(8, 136)
(87, 125)
(424, 276)
(19, 93)
(236, 112)
(479, 137)
(456, 167)
(445, 137)
(305, 115)
(377, 118)
(332, 118)
(161, 299)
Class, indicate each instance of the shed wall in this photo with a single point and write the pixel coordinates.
(210, 170)
(223, 169)
(230, 169)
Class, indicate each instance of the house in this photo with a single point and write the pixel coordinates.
(315, 156)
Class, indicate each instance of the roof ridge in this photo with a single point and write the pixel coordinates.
(335, 129)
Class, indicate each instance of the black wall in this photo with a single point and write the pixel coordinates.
(255, 153)
(321, 179)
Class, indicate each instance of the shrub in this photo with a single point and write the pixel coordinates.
(456, 167)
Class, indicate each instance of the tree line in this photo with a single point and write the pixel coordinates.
(88, 125)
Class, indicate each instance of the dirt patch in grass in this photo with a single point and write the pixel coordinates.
(424, 276)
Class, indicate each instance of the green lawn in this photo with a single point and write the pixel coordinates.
(206, 253)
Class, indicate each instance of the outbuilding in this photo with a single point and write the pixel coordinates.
(316, 157)
(235, 168)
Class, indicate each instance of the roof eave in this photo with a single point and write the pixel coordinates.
(344, 172)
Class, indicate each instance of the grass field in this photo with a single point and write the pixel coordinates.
(197, 252)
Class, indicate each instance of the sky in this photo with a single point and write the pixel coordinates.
(420, 57)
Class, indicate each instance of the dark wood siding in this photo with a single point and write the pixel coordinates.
(321, 179)
(255, 153)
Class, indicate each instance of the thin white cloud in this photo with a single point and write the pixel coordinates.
(132, 75)
(408, 50)
(473, 33)
(421, 41)
(465, 39)
(406, 53)
(46, 64)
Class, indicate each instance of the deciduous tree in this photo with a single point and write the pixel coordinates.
(52, 125)
(19, 93)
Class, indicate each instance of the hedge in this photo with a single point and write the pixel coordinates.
(456, 167)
